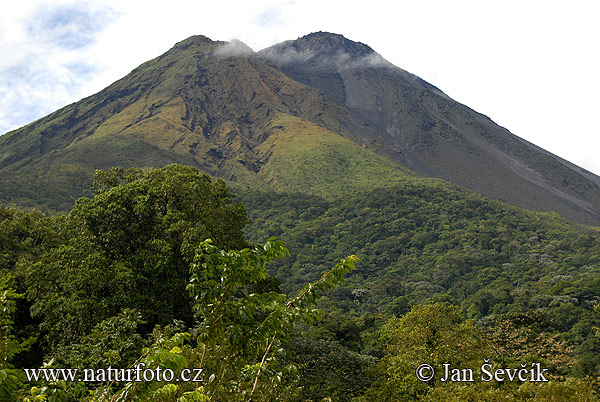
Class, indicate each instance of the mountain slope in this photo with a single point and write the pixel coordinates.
(203, 103)
(315, 115)
(418, 126)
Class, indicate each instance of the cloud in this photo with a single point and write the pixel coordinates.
(73, 26)
(285, 54)
(271, 17)
(233, 48)
(43, 61)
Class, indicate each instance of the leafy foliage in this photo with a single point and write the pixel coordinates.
(239, 336)
(114, 342)
(237, 326)
(10, 378)
(526, 337)
(110, 285)
(433, 241)
(437, 334)
(328, 368)
(130, 247)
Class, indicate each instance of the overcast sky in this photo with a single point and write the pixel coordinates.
(531, 66)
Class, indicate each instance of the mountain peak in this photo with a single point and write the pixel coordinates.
(206, 45)
(330, 43)
(316, 45)
(192, 41)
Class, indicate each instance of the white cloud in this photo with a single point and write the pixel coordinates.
(43, 64)
(233, 48)
(271, 17)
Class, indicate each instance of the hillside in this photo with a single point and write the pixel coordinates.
(428, 241)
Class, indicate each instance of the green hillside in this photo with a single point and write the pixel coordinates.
(108, 284)
(226, 110)
(303, 157)
(425, 240)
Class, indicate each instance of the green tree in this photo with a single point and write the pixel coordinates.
(130, 246)
(24, 238)
(437, 334)
(239, 339)
(114, 342)
(434, 334)
(10, 345)
(528, 337)
(242, 333)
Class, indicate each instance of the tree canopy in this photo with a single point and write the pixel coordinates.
(131, 246)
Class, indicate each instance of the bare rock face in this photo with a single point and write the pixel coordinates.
(418, 126)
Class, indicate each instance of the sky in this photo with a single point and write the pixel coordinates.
(531, 66)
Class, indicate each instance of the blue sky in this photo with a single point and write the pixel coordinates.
(531, 66)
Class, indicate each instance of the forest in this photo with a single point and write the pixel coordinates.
(292, 297)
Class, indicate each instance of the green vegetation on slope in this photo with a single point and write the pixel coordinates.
(113, 289)
(429, 241)
(108, 284)
(303, 157)
(132, 241)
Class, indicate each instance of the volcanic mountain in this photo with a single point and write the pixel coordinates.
(320, 115)
(416, 125)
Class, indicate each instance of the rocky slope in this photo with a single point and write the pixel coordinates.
(418, 126)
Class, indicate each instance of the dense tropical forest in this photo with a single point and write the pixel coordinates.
(167, 270)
